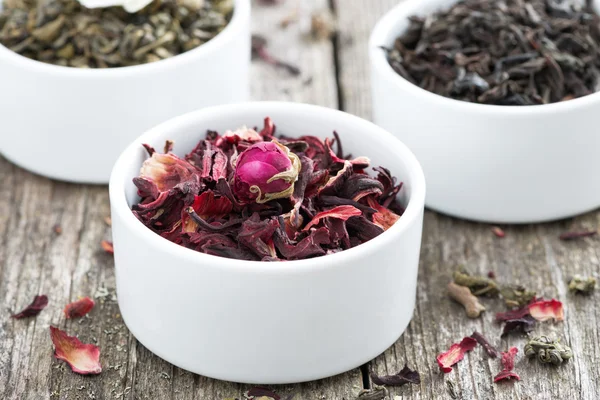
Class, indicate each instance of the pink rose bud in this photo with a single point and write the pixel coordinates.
(265, 171)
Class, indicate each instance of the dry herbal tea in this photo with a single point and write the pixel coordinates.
(250, 195)
(509, 52)
(63, 32)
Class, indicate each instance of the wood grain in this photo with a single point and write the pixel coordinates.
(334, 73)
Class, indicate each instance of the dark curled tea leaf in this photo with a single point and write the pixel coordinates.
(577, 235)
(65, 33)
(491, 350)
(259, 391)
(406, 375)
(248, 195)
(504, 53)
(36, 306)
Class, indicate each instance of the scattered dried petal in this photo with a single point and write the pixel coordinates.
(512, 314)
(107, 246)
(491, 275)
(79, 308)
(576, 235)
(57, 229)
(581, 285)
(498, 231)
(36, 306)
(82, 358)
(544, 310)
(506, 375)
(487, 346)
(455, 353)
(406, 375)
(519, 325)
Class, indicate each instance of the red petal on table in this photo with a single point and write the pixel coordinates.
(508, 359)
(498, 231)
(508, 363)
(543, 310)
(339, 212)
(512, 314)
(82, 358)
(506, 375)
(38, 304)
(79, 308)
(383, 218)
(107, 246)
(455, 354)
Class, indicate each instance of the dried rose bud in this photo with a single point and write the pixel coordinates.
(265, 171)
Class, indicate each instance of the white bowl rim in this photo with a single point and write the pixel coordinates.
(241, 11)
(412, 212)
(379, 61)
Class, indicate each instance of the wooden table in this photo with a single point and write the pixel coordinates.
(35, 260)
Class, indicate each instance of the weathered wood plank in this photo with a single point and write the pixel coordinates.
(530, 255)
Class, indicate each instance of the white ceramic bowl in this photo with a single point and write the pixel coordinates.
(260, 322)
(486, 162)
(72, 124)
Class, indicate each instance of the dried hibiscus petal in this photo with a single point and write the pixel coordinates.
(487, 346)
(543, 310)
(207, 205)
(165, 171)
(383, 218)
(455, 353)
(512, 314)
(82, 358)
(519, 325)
(107, 246)
(79, 308)
(406, 375)
(508, 364)
(36, 306)
(339, 212)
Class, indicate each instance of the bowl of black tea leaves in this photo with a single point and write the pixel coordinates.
(498, 100)
(80, 83)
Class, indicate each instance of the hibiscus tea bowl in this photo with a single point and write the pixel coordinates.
(71, 124)
(268, 322)
(504, 164)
